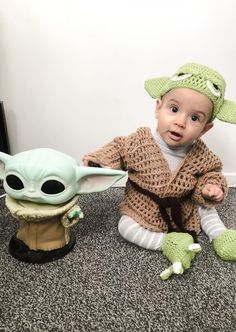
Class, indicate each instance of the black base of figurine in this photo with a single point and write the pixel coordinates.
(21, 251)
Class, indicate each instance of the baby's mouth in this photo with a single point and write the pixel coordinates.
(175, 134)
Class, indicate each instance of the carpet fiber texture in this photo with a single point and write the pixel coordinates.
(107, 284)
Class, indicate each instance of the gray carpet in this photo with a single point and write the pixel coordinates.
(107, 284)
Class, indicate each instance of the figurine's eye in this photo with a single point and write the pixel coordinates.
(213, 88)
(52, 187)
(180, 77)
(14, 182)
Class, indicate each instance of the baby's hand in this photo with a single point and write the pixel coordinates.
(88, 158)
(213, 192)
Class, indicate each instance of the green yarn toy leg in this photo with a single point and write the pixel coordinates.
(180, 249)
(225, 245)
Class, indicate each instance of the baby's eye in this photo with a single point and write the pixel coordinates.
(52, 187)
(14, 182)
(174, 109)
(195, 117)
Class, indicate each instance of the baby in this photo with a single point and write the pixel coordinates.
(174, 180)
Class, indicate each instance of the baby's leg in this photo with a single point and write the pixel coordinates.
(131, 231)
(211, 223)
(177, 247)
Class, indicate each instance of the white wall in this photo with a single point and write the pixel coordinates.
(72, 71)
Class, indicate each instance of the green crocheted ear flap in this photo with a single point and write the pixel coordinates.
(227, 112)
(155, 85)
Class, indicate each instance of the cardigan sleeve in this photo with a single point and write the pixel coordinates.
(207, 168)
(112, 154)
(213, 177)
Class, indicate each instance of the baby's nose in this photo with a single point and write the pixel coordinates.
(181, 120)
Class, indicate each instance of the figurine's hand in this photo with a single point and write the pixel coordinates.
(180, 249)
(72, 216)
(212, 192)
(75, 213)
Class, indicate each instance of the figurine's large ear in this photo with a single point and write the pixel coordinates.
(94, 179)
(4, 157)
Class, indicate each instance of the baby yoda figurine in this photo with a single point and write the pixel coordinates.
(42, 187)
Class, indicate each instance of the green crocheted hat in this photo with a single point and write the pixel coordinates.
(202, 79)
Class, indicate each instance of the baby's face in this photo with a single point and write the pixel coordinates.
(183, 115)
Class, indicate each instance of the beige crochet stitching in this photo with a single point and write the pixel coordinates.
(141, 156)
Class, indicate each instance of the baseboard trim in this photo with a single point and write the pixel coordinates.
(230, 177)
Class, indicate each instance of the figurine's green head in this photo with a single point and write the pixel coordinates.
(202, 79)
(51, 177)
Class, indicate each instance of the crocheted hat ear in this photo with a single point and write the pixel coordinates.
(155, 85)
(227, 112)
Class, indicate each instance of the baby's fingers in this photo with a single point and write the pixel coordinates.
(86, 159)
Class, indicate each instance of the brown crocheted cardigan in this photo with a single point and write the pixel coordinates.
(140, 155)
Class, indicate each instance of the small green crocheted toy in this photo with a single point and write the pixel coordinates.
(180, 249)
(225, 245)
(202, 79)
